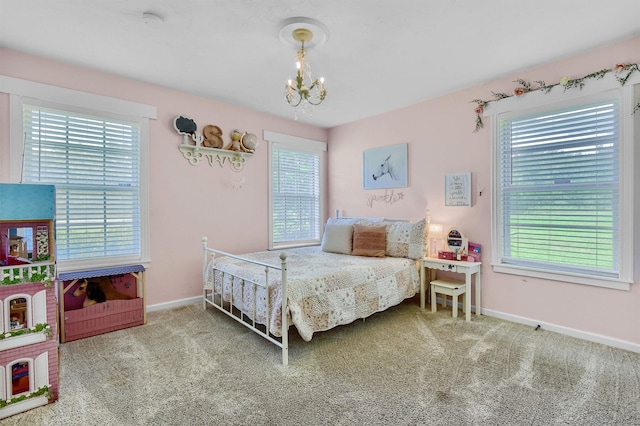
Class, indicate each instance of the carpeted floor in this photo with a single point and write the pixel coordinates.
(404, 366)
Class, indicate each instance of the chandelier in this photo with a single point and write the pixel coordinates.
(304, 89)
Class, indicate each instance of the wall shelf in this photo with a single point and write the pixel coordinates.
(195, 153)
(242, 144)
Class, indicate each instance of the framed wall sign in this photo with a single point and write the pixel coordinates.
(385, 167)
(457, 189)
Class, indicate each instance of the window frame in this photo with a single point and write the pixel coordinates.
(38, 368)
(22, 91)
(295, 143)
(558, 98)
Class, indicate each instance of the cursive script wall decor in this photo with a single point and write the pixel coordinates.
(389, 197)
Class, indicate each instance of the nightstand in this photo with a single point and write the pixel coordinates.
(430, 265)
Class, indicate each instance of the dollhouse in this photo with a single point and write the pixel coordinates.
(28, 307)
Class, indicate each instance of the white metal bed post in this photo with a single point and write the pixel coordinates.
(285, 304)
(204, 272)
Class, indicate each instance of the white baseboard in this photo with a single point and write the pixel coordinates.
(591, 337)
(174, 304)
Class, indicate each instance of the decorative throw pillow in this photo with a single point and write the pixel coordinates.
(337, 238)
(369, 240)
(405, 239)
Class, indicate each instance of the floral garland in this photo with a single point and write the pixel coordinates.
(38, 328)
(623, 72)
(43, 391)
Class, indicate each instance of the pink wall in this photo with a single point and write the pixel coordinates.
(441, 140)
(186, 202)
(190, 201)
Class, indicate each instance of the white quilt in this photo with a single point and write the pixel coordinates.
(324, 289)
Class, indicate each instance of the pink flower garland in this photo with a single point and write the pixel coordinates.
(566, 82)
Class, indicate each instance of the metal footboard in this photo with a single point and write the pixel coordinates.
(210, 297)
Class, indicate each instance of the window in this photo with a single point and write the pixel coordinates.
(558, 210)
(22, 311)
(23, 376)
(94, 149)
(94, 162)
(296, 178)
(20, 378)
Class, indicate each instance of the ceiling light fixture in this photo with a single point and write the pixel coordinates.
(303, 90)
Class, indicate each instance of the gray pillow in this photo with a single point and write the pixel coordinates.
(337, 238)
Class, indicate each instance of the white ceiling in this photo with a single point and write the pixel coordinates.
(379, 56)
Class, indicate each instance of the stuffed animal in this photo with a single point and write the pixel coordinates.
(98, 290)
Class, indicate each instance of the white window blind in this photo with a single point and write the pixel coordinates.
(94, 162)
(295, 196)
(559, 190)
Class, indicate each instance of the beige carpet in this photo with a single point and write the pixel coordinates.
(400, 367)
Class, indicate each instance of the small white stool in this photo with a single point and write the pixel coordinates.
(448, 288)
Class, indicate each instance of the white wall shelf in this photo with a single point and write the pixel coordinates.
(195, 153)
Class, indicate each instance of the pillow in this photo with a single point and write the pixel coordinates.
(406, 239)
(369, 240)
(337, 238)
(355, 220)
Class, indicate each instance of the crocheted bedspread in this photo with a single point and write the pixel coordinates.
(324, 290)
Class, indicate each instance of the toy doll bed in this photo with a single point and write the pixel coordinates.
(363, 266)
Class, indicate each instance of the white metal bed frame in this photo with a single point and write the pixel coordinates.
(210, 297)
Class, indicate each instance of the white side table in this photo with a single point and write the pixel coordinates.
(461, 267)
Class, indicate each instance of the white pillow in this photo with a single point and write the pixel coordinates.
(367, 221)
(337, 238)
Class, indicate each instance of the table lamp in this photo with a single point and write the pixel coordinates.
(435, 236)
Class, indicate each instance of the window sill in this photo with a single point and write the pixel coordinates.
(616, 284)
(22, 406)
(24, 340)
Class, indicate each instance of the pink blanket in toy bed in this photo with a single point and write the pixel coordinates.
(324, 289)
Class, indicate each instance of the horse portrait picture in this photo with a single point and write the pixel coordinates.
(385, 167)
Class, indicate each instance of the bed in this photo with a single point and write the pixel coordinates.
(363, 266)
